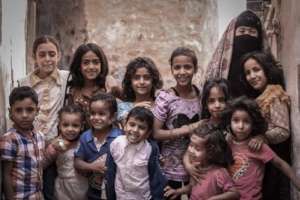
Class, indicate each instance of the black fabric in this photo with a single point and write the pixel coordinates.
(241, 45)
(248, 18)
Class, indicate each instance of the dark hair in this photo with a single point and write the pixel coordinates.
(44, 39)
(21, 93)
(77, 79)
(208, 85)
(259, 123)
(218, 151)
(71, 109)
(183, 51)
(142, 114)
(272, 70)
(109, 99)
(131, 69)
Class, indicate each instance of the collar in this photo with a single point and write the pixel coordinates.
(137, 146)
(112, 134)
(34, 79)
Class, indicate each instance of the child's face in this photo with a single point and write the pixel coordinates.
(141, 82)
(216, 102)
(100, 115)
(241, 125)
(136, 130)
(255, 75)
(22, 113)
(46, 58)
(197, 149)
(90, 66)
(183, 70)
(70, 125)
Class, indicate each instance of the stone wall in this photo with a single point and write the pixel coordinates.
(130, 28)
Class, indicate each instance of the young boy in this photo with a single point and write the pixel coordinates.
(94, 143)
(133, 170)
(22, 149)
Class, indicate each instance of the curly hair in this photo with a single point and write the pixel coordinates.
(243, 103)
(131, 68)
(72, 109)
(77, 79)
(208, 85)
(271, 68)
(217, 150)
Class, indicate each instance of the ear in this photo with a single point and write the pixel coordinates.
(10, 114)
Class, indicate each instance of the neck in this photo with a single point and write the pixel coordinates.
(25, 132)
(184, 91)
(141, 98)
(101, 134)
(89, 84)
(215, 120)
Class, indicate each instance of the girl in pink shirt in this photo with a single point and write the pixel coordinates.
(244, 121)
(209, 150)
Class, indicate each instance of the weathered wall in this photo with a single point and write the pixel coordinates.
(129, 28)
(66, 21)
(290, 59)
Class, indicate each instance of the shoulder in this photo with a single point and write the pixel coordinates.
(25, 81)
(63, 73)
(115, 132)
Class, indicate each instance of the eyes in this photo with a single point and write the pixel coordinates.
(243, 30)
(185, 67)
(43, 54)
(142, 127)
(254, 69)
(75, 125)
(214, 100)
(137, 77)
(27, 110)
(88, 62)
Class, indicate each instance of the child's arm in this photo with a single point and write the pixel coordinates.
(7, 183)
(174, 193)
(287, 170)
(95, 166)
(161, 134)
(191, 168)
(229, 195)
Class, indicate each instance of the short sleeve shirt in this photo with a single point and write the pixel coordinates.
(175, 112)
(26, 154)
(247, 171)
(216, 181)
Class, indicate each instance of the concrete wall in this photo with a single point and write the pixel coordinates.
(290, 59)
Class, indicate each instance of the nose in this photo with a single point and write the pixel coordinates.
(24, 114)
(135, 128)
(217, 104)
(240, 125)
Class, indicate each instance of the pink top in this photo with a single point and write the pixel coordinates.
(175, 112)
(216, 181)
(247, 171)
(132, 177)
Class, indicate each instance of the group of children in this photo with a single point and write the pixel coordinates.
(148, 144)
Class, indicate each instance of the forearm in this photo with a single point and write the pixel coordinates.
(82, 165)
(286, 169)
(184, 190)
(161, 134)
(7, 183)
(230, 195)
(276, 135)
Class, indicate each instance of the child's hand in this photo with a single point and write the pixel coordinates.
(145, 104)
(256, 143)
(170, 192)
(97, 166)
